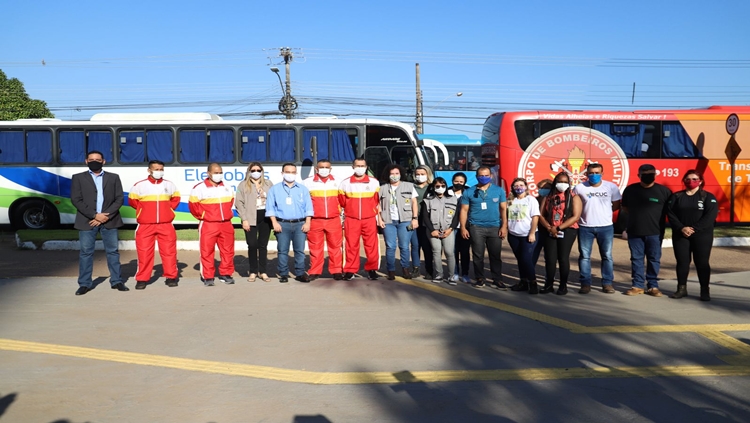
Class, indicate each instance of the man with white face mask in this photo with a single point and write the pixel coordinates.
(358, 196)
(326, 222)
(290, 209)
(154, 200)
(211, 203)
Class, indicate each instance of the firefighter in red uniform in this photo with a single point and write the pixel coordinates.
(154, 200)
(358, 195)
(326, 222)
(211, 203)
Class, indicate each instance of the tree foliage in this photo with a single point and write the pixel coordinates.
(16, 104)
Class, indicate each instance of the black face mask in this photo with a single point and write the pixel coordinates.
(95, 166)
(648, 178)
(458, 187)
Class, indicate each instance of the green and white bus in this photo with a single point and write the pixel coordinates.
(38, 157)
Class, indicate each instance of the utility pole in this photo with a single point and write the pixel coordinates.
(419, 122)
(287, 104)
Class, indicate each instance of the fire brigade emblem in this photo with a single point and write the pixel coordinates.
(571, 150)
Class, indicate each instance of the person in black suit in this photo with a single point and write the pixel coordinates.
(98, 196)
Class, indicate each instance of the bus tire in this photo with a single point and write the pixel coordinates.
(35, 214)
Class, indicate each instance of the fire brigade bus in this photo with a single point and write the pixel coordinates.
(537, 145)
(38, 157)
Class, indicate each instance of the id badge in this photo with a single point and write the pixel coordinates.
(289, 201)
(484, 206)
(557, 217)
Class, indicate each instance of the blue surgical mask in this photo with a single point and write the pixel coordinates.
(543, 192)
(595, 178)
(484, 179)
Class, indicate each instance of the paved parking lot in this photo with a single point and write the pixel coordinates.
(391, 351)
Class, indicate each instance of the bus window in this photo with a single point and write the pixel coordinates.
(221, 146)
(456, 157)
(407, 158)
(132, 147)
(321, 136)
(159, 146)
(343, 145)
(629, 136)
(377, 160)
(36, 149)
(201, 146)
(74, 145)
(253, 146)
(491, 129)
(281, 145)
(386, 136)
(677, 142)
(474, 155)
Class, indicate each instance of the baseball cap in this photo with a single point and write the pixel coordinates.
(646, 168)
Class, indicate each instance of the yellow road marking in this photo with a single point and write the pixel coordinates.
(345, 378)
(727, 342)
(665, 328)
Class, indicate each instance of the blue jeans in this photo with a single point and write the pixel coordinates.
(524, 252)
(604, 236)
(648, 247)
(291, 233)
(87, 240)
(392, 233)
(414, 242)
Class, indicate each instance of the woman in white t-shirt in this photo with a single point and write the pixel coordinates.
(523, 217)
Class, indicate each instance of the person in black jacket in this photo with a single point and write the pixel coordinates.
(692, 214)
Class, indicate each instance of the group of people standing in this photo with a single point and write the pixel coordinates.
(426, 215)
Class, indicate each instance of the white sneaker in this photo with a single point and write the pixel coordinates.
(437, 280)
(453, 280)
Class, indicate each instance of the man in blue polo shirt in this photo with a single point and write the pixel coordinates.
(289, 206)
(483, 208)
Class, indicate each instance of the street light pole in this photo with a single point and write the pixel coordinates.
(287, 104)
(424, 113)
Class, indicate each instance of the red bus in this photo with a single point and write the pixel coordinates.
(537, 145)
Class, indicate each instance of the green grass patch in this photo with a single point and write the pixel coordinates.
(722, 232)
(38, 237)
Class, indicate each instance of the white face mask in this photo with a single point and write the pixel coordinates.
(562, 187)
(421, 178)
(324, 172)
(217, 177)
(157, 174)
(360, 170)
(256, 175)
(440, 191)
(290, 177)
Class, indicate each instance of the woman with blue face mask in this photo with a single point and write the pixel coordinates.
(523, 217)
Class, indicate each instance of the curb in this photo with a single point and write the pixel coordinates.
(718, 242)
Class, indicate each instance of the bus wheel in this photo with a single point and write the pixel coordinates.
(35, 214)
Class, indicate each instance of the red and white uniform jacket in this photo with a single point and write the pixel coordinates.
(211, 203)
(154, 200)
(325, 197)
(359, 198)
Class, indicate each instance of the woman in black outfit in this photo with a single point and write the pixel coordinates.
(692, 215)
(560, 212)
(462, 254)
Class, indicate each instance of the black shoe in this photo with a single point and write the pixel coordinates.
(120, 287)
(533, 288)
(348, 276)
(313, 277)
(562, 290)
(415, 272)
(338, 276)
(304, 278)
(479, 283)
(548, 287)
(284, 279)
(406, 273)
(705, 295)
(372, 275)
(522, 285)
(83, 290)
(391, 275)
(681, 292)
(208, 282)
(499, 285)
(226, 279)
(171, 282)
(140, 285)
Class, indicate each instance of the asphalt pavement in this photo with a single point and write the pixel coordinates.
(367, 351)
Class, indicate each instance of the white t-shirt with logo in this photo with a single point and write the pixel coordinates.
(520, 212)
(597, 203)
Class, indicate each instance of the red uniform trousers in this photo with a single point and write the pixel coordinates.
(368, 230)
(322, 231)
(145, 235)
(211, 234)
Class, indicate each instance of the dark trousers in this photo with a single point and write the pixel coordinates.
(524, 252)
(462, 254)
(426, 247)
(257, 243)
(557, 253)
(699, 247)
(489, 238)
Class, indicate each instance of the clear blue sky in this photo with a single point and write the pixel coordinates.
(358, 58)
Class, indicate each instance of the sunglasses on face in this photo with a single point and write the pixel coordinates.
(255, 170)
